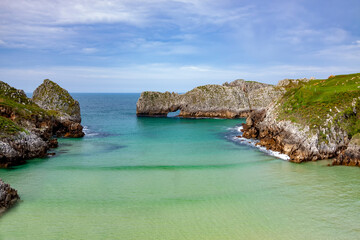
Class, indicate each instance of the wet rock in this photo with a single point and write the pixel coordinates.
(27, 130)
(351, 155)
(8, 196)
(53, 143)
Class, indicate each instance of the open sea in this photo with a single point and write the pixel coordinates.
(172, 178)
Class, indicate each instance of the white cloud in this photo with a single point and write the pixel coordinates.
(159, 77)
(348, 54)
(43, 23)
(305, 35)
(134, 12)
(89, 50)
(195, 68)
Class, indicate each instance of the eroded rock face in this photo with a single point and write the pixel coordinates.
(295, 140)
(293, 82)
(157, 104)
(230, 100)
(351, 155)
(312, 121)
(8, 196)
(50, 96)
(14, 150)
(27, 130)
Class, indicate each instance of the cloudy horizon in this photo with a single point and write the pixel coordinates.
(132, 46)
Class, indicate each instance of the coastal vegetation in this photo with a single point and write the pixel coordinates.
(28, 126)
(321, 103)
(307, 119)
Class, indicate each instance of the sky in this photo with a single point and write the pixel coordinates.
(174, 45)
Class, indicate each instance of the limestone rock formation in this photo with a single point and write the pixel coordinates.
(27, 130)
(50, 96)
(230, 100)
(313, 120)
(297, 141)
(351, 155)
(8, 196)
(14, 150)
(293, 82)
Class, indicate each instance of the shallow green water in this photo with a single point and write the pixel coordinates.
(169, 178)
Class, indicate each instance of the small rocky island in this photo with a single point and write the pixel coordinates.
(29, 126)
(307, 119)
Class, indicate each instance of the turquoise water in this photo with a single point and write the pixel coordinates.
(171, 178)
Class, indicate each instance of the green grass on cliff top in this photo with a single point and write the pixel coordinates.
(22, 109)
(18, 102)
(311, 103)
(13, 101)
(8, 127)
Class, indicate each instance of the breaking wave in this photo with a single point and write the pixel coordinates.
(236, 136)
(89, 133)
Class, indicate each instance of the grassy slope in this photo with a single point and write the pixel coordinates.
(312, 103)
(19, 104)
(8, 127)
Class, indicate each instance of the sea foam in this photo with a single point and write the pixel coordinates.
(252, 142)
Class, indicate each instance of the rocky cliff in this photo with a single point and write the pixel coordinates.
(314, 119)
(230, 100)
(56, 100)
(8, 196)
(27, 130)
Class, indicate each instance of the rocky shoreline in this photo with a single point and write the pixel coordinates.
(332, 136)
(29, 127)
(8, 197)
(306, 119)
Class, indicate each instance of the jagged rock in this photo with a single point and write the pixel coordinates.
(8, 196)
(351, 155)
(157, 103)
(246, 86)
(52, 97)
(321, 131)
(27, 130)
(293, 82)
(14, 150)
(53, 143)
(297, 141)
(231, 100)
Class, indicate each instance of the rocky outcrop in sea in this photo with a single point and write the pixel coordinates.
(28, 127)
(51, 97)
(230, 100)
(8, 196)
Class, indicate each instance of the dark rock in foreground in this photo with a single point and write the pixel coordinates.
(8, 196)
